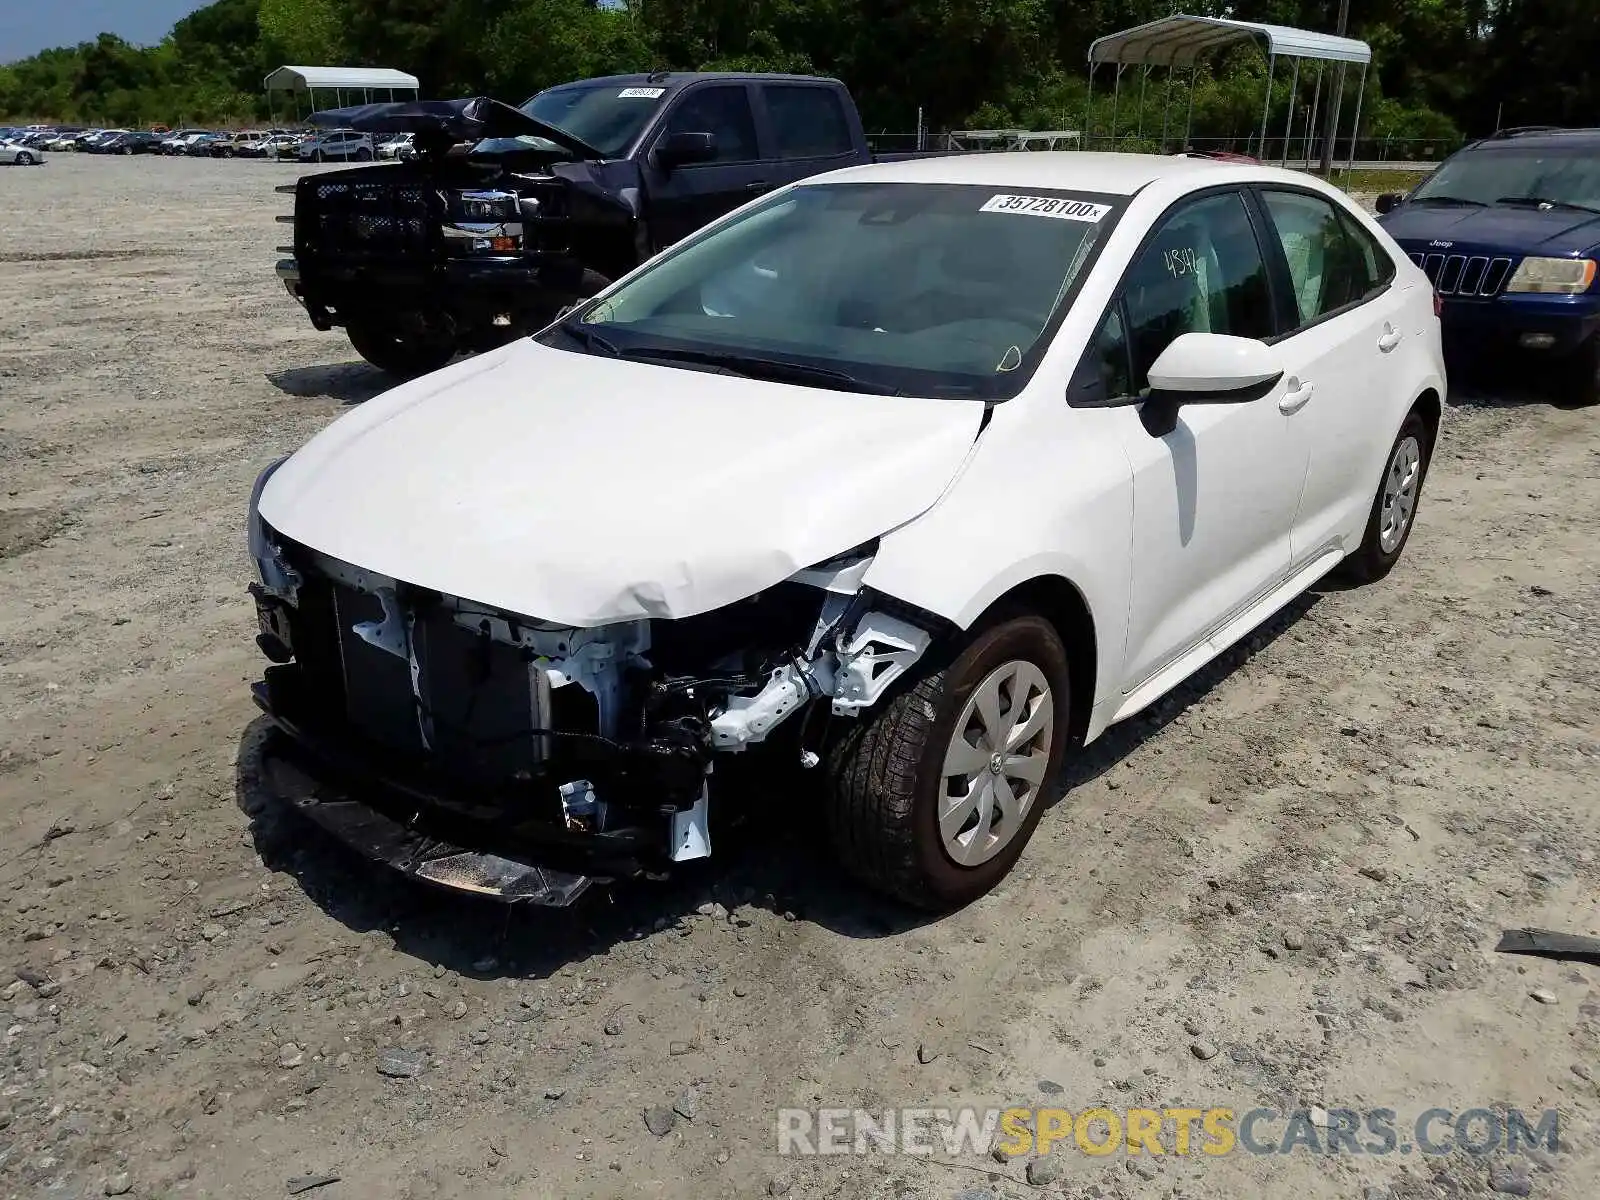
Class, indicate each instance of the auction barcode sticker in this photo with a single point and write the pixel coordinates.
(1047, 206)
(638, 93)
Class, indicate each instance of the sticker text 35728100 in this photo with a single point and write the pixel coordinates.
(1058, 207)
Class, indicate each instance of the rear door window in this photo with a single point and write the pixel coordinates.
(1322, 259)
(807, 121)
(1332, 262)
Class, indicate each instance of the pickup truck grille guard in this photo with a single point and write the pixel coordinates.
(350, 220)
(522, 751)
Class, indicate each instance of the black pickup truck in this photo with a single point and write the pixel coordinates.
(507, 215)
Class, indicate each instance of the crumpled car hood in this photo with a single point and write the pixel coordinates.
(585, 490)
(469, 120)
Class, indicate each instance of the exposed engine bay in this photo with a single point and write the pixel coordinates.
(555, 749)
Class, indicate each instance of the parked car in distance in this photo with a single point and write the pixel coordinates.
(1108, 413)
(337, 145)
(179, 142)
(1508, 231)
(202, 146)
(399, 145)
(130, 143)
(283, 145)
(94, 142)
(18, 153)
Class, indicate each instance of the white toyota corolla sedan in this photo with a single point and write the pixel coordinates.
(923, 474)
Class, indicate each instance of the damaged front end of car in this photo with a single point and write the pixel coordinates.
(497, 753)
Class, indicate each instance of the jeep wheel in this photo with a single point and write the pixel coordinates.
(934, 794)
(1577, 377)
(399, 352)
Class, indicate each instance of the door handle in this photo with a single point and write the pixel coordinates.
(1298, 396)
(1389, 339)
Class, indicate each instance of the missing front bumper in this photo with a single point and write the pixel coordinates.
(506, 840)
(384, 840)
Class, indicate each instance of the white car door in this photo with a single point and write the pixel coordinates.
(1351, 321)
(1216, 493)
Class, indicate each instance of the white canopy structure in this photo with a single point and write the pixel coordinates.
(1011, 139)
(1182, 40)
(348, 85)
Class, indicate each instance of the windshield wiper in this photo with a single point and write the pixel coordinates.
(1541, 201)
(1449, 200)
(591, 340)
(775, 370)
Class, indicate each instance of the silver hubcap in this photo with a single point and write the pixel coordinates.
(995, 767)
(1399, 494)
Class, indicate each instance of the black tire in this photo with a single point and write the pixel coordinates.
(885, 774)
(24, 159)
(1577, 376)
(399, 353)
(363, 155)
(1371, 562)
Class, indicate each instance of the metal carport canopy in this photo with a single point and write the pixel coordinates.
(1178, 40)
(305, 79)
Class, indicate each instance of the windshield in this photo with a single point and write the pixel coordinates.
(907, 287)
(606, 117)
(1556, 174)
(523, 141)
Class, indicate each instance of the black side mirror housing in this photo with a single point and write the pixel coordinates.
(1389, 201)
(683, 148)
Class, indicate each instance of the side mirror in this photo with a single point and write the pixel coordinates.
(1214, 368)
(684, 148)
(1389, 201)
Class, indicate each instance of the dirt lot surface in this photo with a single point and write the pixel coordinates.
(1282, 888)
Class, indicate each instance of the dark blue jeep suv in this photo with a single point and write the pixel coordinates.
(1508, 230)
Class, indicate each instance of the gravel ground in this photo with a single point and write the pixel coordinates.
(1282, 887)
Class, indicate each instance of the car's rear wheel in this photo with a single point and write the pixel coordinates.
(399, 351)
(1394, 508)
(934, 794)
(1577, 377)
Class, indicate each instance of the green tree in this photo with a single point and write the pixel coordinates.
(309, 32)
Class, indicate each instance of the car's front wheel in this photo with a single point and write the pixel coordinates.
(363, 155)
(934, 794)
(24, 159)
(400, 352)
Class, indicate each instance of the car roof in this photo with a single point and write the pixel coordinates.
(1540, 137)
(677, 79)
(1069, 170)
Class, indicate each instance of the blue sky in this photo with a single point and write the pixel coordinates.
(28, 26)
